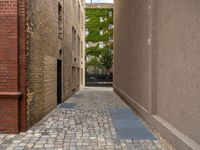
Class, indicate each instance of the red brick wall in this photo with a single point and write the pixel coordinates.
(22, 63)
(9, 65)
(9, 114)
(28, 60)
(8, 46)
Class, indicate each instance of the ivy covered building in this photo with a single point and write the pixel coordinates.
(99, 38)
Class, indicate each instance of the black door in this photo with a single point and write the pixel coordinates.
(59, 81)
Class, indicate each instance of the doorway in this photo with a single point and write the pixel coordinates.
(59, 82)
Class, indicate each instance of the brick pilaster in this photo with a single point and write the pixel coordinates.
(9, 67)
(22, 63)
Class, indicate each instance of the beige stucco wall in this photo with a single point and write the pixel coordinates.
(157, 64)
(178, 65)
(131, 54)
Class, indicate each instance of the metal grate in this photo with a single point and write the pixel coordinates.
(128, 125)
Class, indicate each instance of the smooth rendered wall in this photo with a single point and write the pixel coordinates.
(131, 50)
(157, 64)
(178, 64)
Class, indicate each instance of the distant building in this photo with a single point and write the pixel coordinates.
(99, 36)
(99, 5)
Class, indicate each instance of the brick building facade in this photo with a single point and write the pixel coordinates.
(41, 58)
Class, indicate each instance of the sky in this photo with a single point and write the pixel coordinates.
(99, 1)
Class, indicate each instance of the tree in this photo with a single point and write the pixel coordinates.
(106, 59)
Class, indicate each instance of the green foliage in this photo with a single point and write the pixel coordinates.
(106, 59)
(94, 62)
(94, 25)
(96, 38)
(95, 51)
(102, 57)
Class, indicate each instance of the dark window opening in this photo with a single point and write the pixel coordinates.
(73, 39)
(59, 82)
(60, 20)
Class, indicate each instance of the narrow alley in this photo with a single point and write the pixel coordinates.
(52, 53)
(83, 122)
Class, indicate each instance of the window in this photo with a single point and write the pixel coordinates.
(75, 80)
(101, 19)
(74, 4)
(79, 12)
(73, 76)
(74, 7)
(81, 49)
(87, 19)
(78, 77)
(81, 76)
(73, 38)
(110, 26)
(110, 39)
(86, 32)
(101, 44)
(87, 58)
(110, 13)
(83, 20)
(60, 19)
(101, 32)
(78, 44)
(86, 45)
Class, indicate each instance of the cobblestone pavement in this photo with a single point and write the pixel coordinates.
(87, 127)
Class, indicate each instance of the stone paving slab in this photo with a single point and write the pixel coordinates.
(89, 126)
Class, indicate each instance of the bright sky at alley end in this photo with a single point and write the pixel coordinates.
(99, 1)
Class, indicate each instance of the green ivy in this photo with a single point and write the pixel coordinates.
(94, 62)
(106, 59)
(101, 56)
(94, 25)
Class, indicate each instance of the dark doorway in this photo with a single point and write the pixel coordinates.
(59, 81)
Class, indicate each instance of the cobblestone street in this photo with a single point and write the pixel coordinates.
(88, 126)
